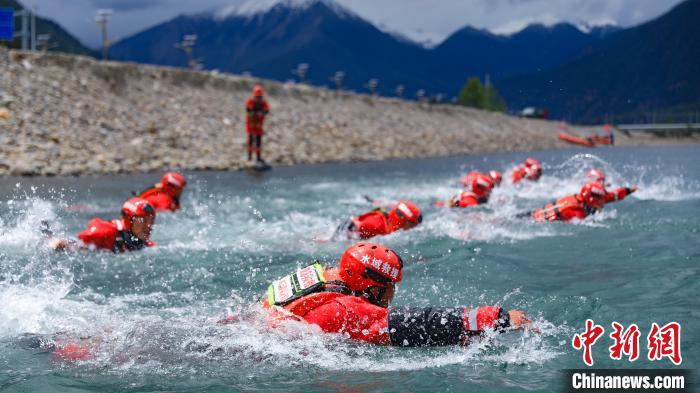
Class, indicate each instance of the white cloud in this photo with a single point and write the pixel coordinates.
(419, 20)
(515, 25)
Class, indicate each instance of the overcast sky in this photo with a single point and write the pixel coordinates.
(417, 19)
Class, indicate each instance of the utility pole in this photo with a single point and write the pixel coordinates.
(300, 71)
(187, 45)
(101, 19)
(43, 42)
(25, 29)
(372, 85)
(399, 91)
(338, 79)
(34, 28)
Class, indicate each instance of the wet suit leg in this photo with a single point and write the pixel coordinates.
(343, 230)
(258, 145)
(254, 145)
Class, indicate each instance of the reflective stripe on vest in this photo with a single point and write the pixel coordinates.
(471, 318)
(119, 224)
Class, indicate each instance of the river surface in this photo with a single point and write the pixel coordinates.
(152, 314)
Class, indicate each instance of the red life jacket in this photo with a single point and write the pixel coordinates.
(160, 200)
(371, 224)
(256, 111)
(110, 235)
(518, 174)
(466, 199)
(333, 288)
(564, 209)
(466, 180)
(101, 234)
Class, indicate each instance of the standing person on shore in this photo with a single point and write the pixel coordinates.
(256, 110)
(166, 194)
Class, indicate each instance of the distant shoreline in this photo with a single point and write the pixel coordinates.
(73, 115)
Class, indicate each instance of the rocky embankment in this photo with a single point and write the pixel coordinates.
(63, 114)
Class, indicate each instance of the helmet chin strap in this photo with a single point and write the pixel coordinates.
(371, 297)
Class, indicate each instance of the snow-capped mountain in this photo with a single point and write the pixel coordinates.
(269, 38)
(248, 8)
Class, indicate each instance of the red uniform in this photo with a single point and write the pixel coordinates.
(596, 175)
(617, 195)
(563, 209)
(522, 172)
(592, 197)
(371, 224)
(111, 235)
(518, 174)
(468, 179)
(480, 186)
(531, 170)
(378, 222)
(466, 199)
(338, 311)
(256, 111)
(160, 200)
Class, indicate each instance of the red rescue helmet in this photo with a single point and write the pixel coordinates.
(257, 91)
(173, 182)
(366, 265)
(534, 172)
(530, 162)
(496, 176)
(405, 215)
(596, 175)
(482, 185)
(136, 207)
(593, 194)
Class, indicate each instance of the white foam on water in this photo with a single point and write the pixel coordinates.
(667, 189)
(39, 308)
(175, 333)
(24, 229)
(479, 224)
(181, 339)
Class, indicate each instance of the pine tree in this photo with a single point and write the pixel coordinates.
(472, 93)
(476, 95)
(492, 100)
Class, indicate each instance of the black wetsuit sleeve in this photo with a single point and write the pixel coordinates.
(523, 214)
(430, 326)
(436, 326)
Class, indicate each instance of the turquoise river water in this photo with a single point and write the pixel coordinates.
(154, 312)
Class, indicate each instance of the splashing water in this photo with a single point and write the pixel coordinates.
(151, 317)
